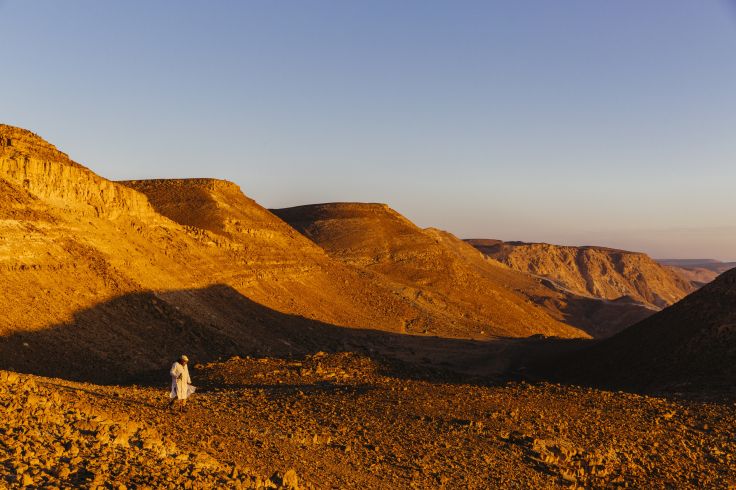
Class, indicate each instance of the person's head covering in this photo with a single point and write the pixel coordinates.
(184, 358)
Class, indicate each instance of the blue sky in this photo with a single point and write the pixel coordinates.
(576, 122)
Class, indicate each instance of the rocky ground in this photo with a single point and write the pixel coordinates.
(345, 421)
(52, 438)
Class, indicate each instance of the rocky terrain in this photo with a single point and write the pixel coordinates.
(594, 271)
(688, 347)
(88, 265)
(335, 346)
(54, 438)
(443, 273)
(324, 417)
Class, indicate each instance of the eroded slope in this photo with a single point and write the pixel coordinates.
(593, 271)
(433, 268)
(100, 283)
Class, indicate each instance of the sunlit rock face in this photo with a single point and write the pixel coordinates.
(594, 271)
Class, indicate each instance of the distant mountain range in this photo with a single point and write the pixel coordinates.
(712, 264)
(698, 271)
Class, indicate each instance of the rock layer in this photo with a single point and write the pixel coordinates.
(430, 266)
(593, 271)
(28, 161)
(110, 283)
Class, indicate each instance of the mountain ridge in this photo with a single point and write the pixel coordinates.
(594, 271)
(90, 266)
(458, 276)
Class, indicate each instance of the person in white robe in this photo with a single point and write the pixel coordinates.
(181, 383)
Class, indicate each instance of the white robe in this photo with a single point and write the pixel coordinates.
(180, 381)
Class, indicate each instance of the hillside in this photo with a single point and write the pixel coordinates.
(106, 283)
(100, 283)
(225, 210)
(449, 276)
(688, 346)
(593, 271)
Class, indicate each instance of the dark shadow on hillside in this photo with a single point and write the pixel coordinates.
(599, 318)
(592, 367)
(136, 337)
(555, 368)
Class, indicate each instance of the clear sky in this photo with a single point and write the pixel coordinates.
(576, 122)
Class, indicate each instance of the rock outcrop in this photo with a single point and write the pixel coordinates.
(31, 163)
(593, 271)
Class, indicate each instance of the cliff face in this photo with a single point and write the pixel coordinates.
(594, 271)
(98, 280)
(30, 162)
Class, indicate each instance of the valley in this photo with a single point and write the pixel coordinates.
(339, 345)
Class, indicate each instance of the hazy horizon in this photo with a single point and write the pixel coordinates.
(575, 123)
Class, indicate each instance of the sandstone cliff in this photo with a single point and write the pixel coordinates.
(37, 166)
(593, 271)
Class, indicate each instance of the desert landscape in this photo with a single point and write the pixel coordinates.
(339, 346)
(367, 245)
